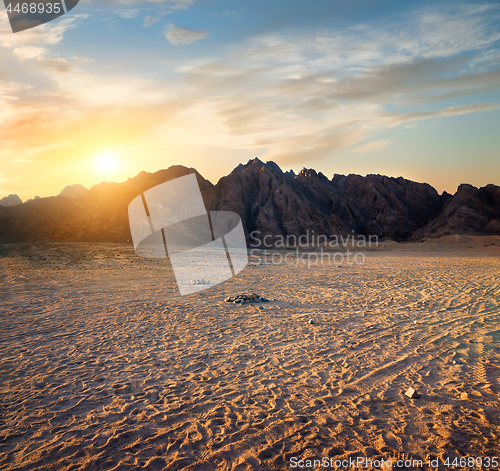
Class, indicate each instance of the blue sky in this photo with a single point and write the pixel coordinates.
(406, 89)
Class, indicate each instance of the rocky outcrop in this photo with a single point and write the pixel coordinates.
(278, 203)
(387, 207)
(271, 202)
(471, 211)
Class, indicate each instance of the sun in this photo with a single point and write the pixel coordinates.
(107, 161)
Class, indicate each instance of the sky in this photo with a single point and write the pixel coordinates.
(399, 88)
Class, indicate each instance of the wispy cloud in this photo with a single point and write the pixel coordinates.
(399, 118)
(151, 20)
(435, 32)
(36, 44)
(296, 96)
(128, 13)
(182, 35)
(371, 146)
(58, 63)
(29, 52)
(305, 94)
(43, 35)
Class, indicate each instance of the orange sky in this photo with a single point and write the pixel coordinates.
(412, 92)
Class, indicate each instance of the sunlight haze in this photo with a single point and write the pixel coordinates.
(396, 88)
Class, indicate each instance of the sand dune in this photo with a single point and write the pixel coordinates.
(105, 367)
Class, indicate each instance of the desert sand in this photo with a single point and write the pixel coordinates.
(105, 367)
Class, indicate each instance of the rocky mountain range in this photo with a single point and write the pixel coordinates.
(270, 201)
(70, 191)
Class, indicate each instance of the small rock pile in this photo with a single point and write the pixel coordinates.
(246, 299)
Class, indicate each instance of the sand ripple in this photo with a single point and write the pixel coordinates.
(104, 367)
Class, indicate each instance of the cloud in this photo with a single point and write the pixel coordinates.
(82, 60)
(29, 52)
(43, 35)
(34, 45)
(433, 32)
(399, 118)
(150, 20)
(307, 93)
(371, 146)
(90, 91)
(182, 35)
(293, 97)
(128, 13)
(313, 146)
(57, 63)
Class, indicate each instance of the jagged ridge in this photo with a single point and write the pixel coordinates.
(272, 202)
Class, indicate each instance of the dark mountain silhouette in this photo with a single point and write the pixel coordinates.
(98, 215)
(282, 203)
(470, 211)
(273, 202)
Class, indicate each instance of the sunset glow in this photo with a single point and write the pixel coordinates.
(410, 89)
(107, 162)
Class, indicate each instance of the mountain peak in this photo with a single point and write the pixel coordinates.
(73, 191)
(257, 164)
(308, 172)
(10, 200)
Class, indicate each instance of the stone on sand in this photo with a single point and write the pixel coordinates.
(411, 393)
